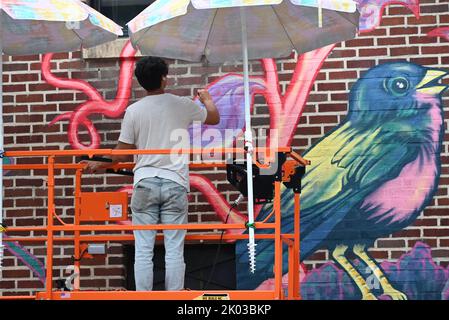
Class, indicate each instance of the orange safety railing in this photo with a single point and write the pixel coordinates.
(291, 240)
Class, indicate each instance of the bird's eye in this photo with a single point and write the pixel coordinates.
(398, 86)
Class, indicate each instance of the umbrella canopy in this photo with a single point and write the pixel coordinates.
(230, 30)
(41, 26)
(191, 29)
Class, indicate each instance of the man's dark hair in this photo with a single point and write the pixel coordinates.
(149, 72)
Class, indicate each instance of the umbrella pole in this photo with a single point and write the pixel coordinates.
(248, 144)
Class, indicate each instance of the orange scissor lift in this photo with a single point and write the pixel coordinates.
(95, 207)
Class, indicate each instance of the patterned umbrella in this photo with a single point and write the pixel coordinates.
(191, 29)
(230, 30)
(41, 26)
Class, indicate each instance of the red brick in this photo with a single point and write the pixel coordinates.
(434, 9)
(7, 285)
(393, 21)
(31, 284)
(342, 75)
(404, 51)
(373, 52)
(430, 19)
(436, 212)
(361, 63)
(93, 283)
(332, 107)
(377, 254)
(25, 77)
(391, 243)
(27, 118)
(27, 58)
(15, 67)
(323, 119)
(401, 30)
(435, 50)
(16, 273)
(331, 86)
(436, 232)
(59, 97)
(108, 272)
(343, 53)
(425, 60)
(391, 41)
(421, 40)
(14, 88)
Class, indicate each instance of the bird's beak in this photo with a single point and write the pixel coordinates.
(430, 84)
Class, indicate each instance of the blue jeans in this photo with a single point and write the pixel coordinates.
(156, 200)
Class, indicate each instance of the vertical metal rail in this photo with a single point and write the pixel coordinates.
(77, 247)
(297, 248)
(50, 212)
(278, 294)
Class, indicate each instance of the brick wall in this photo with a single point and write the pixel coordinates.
(30, 104)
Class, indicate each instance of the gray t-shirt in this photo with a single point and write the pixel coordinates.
(161, 122)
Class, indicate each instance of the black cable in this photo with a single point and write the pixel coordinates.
(81, 255)
(217, 254)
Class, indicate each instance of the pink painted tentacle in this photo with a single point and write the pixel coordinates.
(128, 60)
(294, 101)
(112, 109)
(65, 116)
(74, 84)
(272, 93)
(96, 103)
(440, 32)
(73, 130)
(217, 201)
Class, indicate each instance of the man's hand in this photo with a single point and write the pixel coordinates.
(93, 166)
(204, 96)
(213, 116)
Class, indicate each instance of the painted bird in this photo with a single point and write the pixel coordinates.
(370, 176)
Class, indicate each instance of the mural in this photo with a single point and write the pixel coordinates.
(376, 171)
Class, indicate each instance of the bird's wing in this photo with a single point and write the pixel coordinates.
(359, 164)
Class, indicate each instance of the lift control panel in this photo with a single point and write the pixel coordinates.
(104, 206)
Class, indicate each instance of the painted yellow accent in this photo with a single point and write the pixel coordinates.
(431, 75)
(339, 256)
(343, 141)
(432, 90)
(388, 289)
